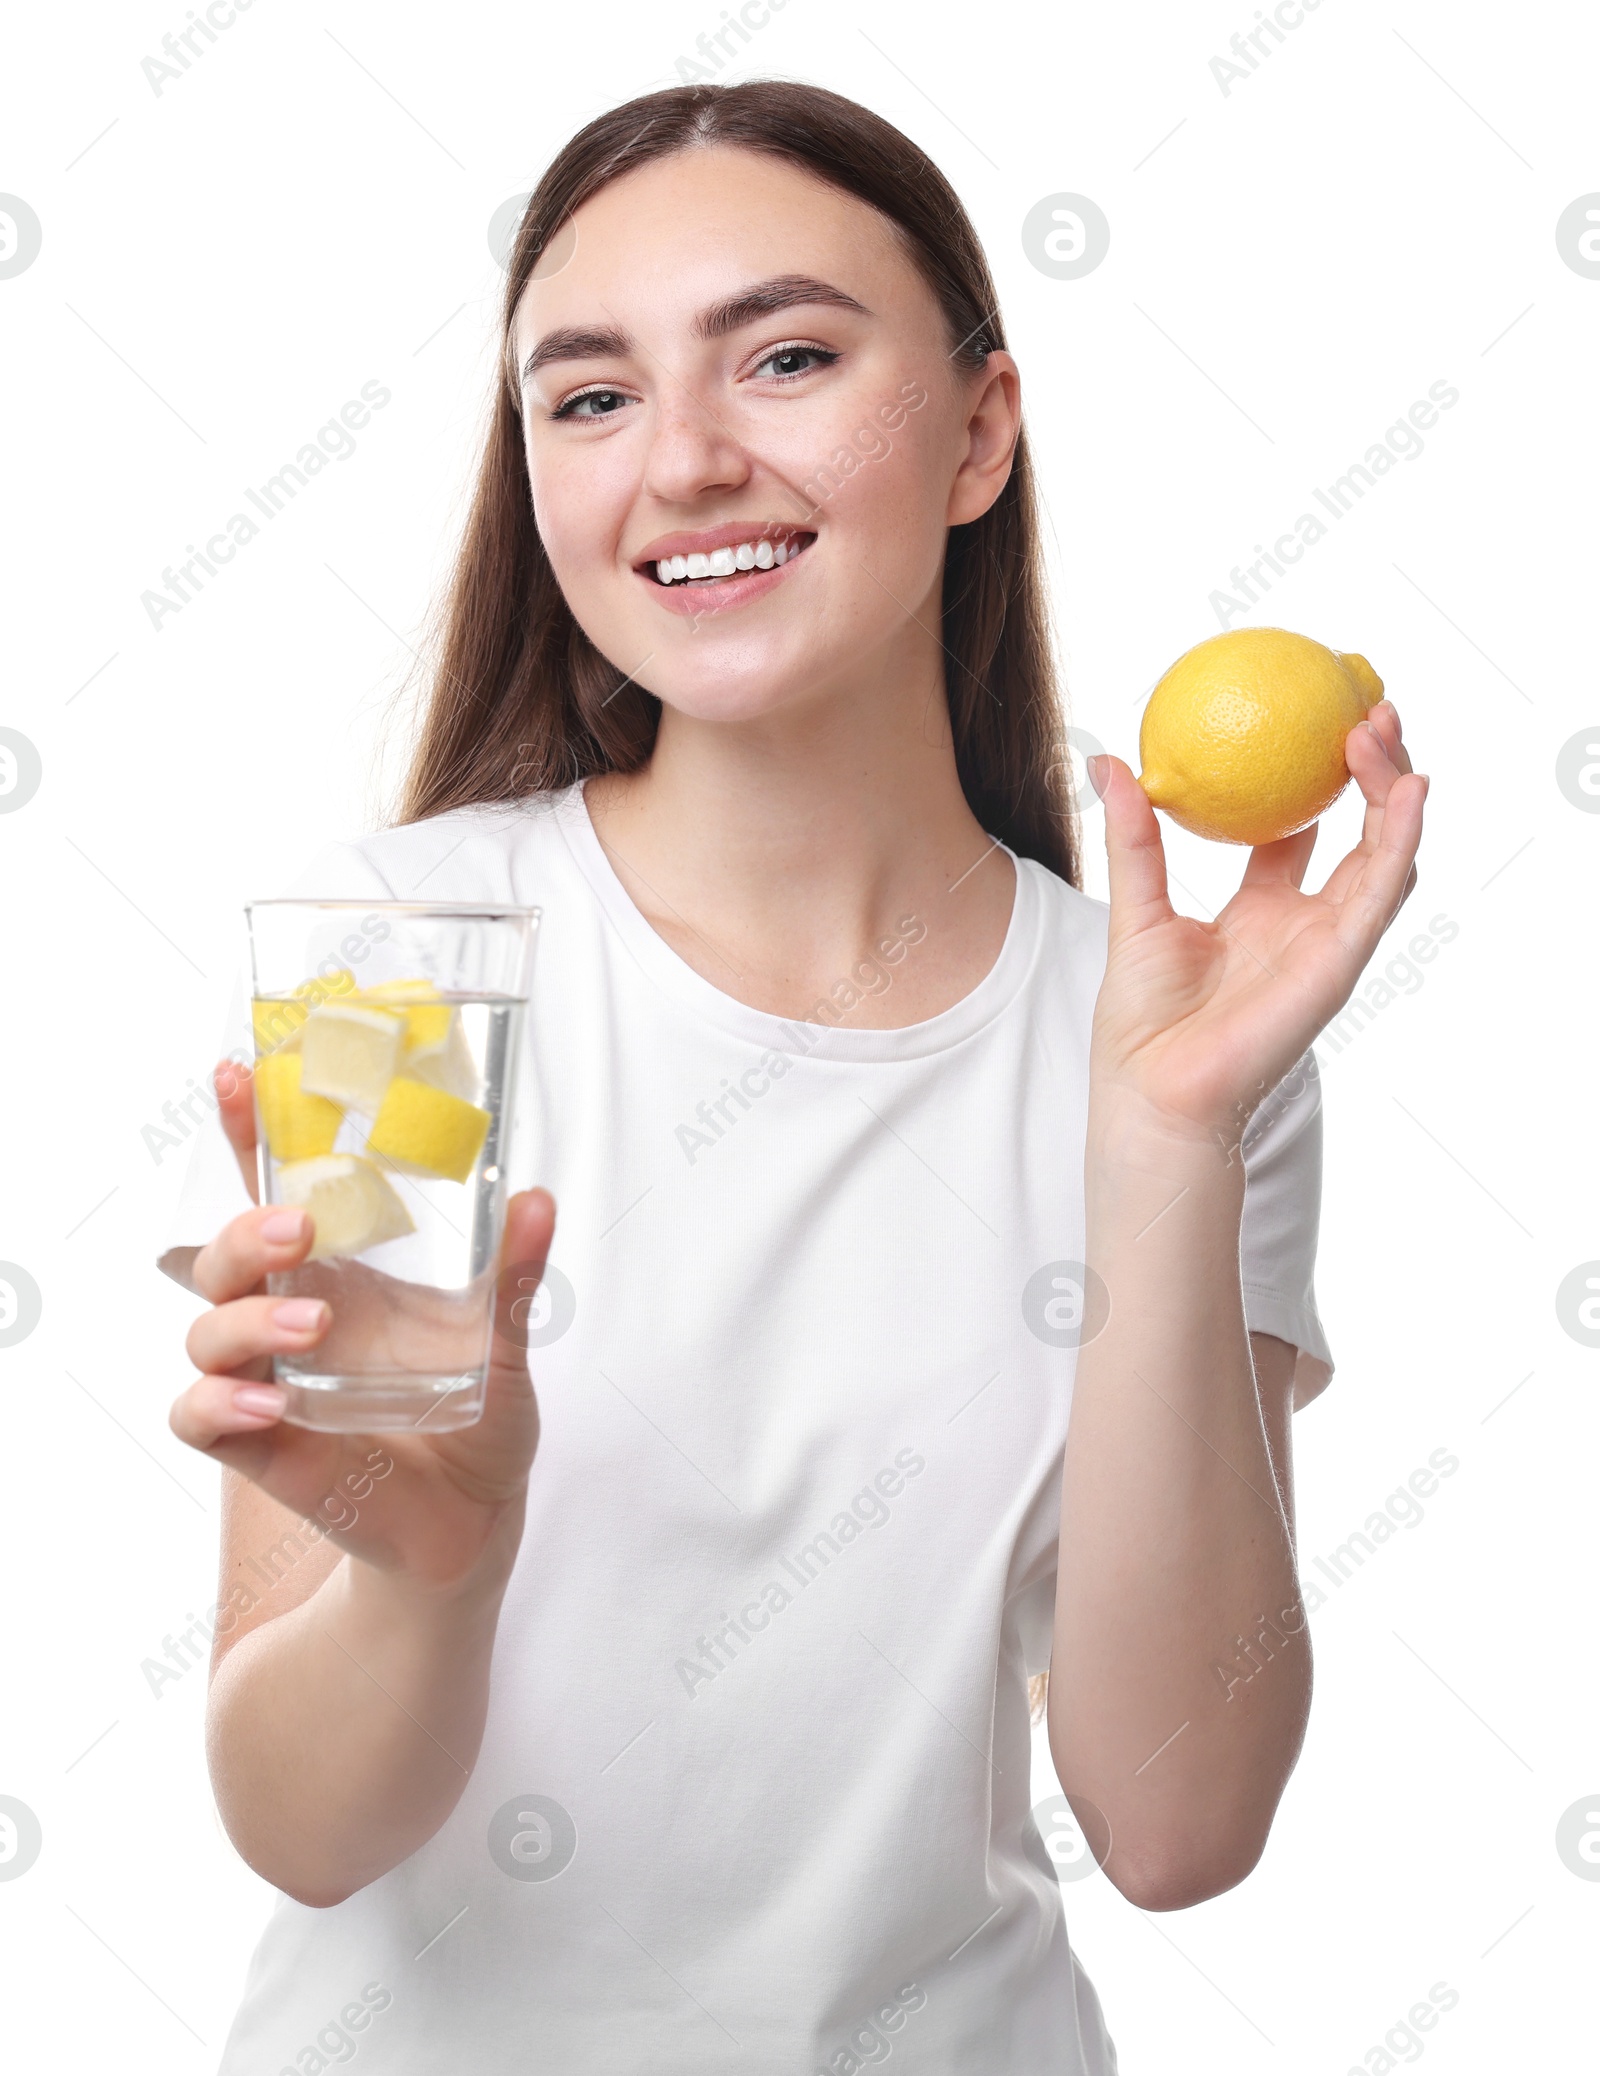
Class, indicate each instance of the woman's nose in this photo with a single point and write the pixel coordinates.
(692, 449)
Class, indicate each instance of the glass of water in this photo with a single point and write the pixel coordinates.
(386, 1040)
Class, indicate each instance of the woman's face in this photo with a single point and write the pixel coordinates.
(724, 357)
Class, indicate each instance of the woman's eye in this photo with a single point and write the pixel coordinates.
(606, 403)
(789, 361)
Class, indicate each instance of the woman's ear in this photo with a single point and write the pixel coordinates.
(994, 421)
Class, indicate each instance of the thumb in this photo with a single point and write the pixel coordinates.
(508, 1433)
(1135, 860)
(524, 1249)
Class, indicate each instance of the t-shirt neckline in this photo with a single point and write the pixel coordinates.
(676, 977)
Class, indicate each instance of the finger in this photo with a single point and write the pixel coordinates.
(1135, 859)
(1366, 755)
(216, 1409)
(236, 1106)
(273, 1236)
(1374, 899)
(1385, 717)
(232, 1335)
(1282, 863)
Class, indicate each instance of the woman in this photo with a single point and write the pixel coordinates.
(682, 1723)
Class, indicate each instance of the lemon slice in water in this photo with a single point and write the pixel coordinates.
(350, 1051)
(427, 1131)
(352, 1204)
(296, 1125)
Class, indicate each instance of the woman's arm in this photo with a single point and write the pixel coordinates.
(362, 1575)
(1182, 1665)
(1177, 1549)
(347, 1705)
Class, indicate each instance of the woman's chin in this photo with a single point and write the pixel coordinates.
(747, 694)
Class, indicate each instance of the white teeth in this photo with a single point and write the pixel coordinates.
(724, 562)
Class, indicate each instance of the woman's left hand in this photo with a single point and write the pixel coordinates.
(1199, 1020)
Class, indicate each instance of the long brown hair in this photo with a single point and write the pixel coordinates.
(521, 700)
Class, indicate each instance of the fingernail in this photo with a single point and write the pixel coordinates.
(299, 1315)
(283, 1225)
(265, 1399)
(1096, 768)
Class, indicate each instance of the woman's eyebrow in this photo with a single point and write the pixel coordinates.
(762, 299)
(780, 293)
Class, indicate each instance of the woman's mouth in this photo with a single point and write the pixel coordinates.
(710, 579)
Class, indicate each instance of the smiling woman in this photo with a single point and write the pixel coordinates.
(746, 703)
(829, 361)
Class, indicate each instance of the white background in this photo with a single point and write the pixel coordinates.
(1292, 264)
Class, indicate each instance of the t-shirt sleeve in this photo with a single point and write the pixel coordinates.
(213, 1189)
(1282, 1152)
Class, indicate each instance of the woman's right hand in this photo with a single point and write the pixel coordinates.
(450, 1500)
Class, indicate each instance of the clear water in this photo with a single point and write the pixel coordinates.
(410, 1337)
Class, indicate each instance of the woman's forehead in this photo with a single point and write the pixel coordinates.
(671, 239)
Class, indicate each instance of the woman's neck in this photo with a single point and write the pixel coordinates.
(774, 857)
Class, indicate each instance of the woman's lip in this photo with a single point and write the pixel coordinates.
(691, 598)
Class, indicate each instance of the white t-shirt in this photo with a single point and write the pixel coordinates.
(754, 1789)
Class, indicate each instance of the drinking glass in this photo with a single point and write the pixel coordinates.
(387, 1035)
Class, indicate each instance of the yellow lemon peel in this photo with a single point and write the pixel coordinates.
(1243, 738)
(426, 1130)
(296, 1126)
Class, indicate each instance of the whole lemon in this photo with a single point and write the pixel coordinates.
(1243, 738)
